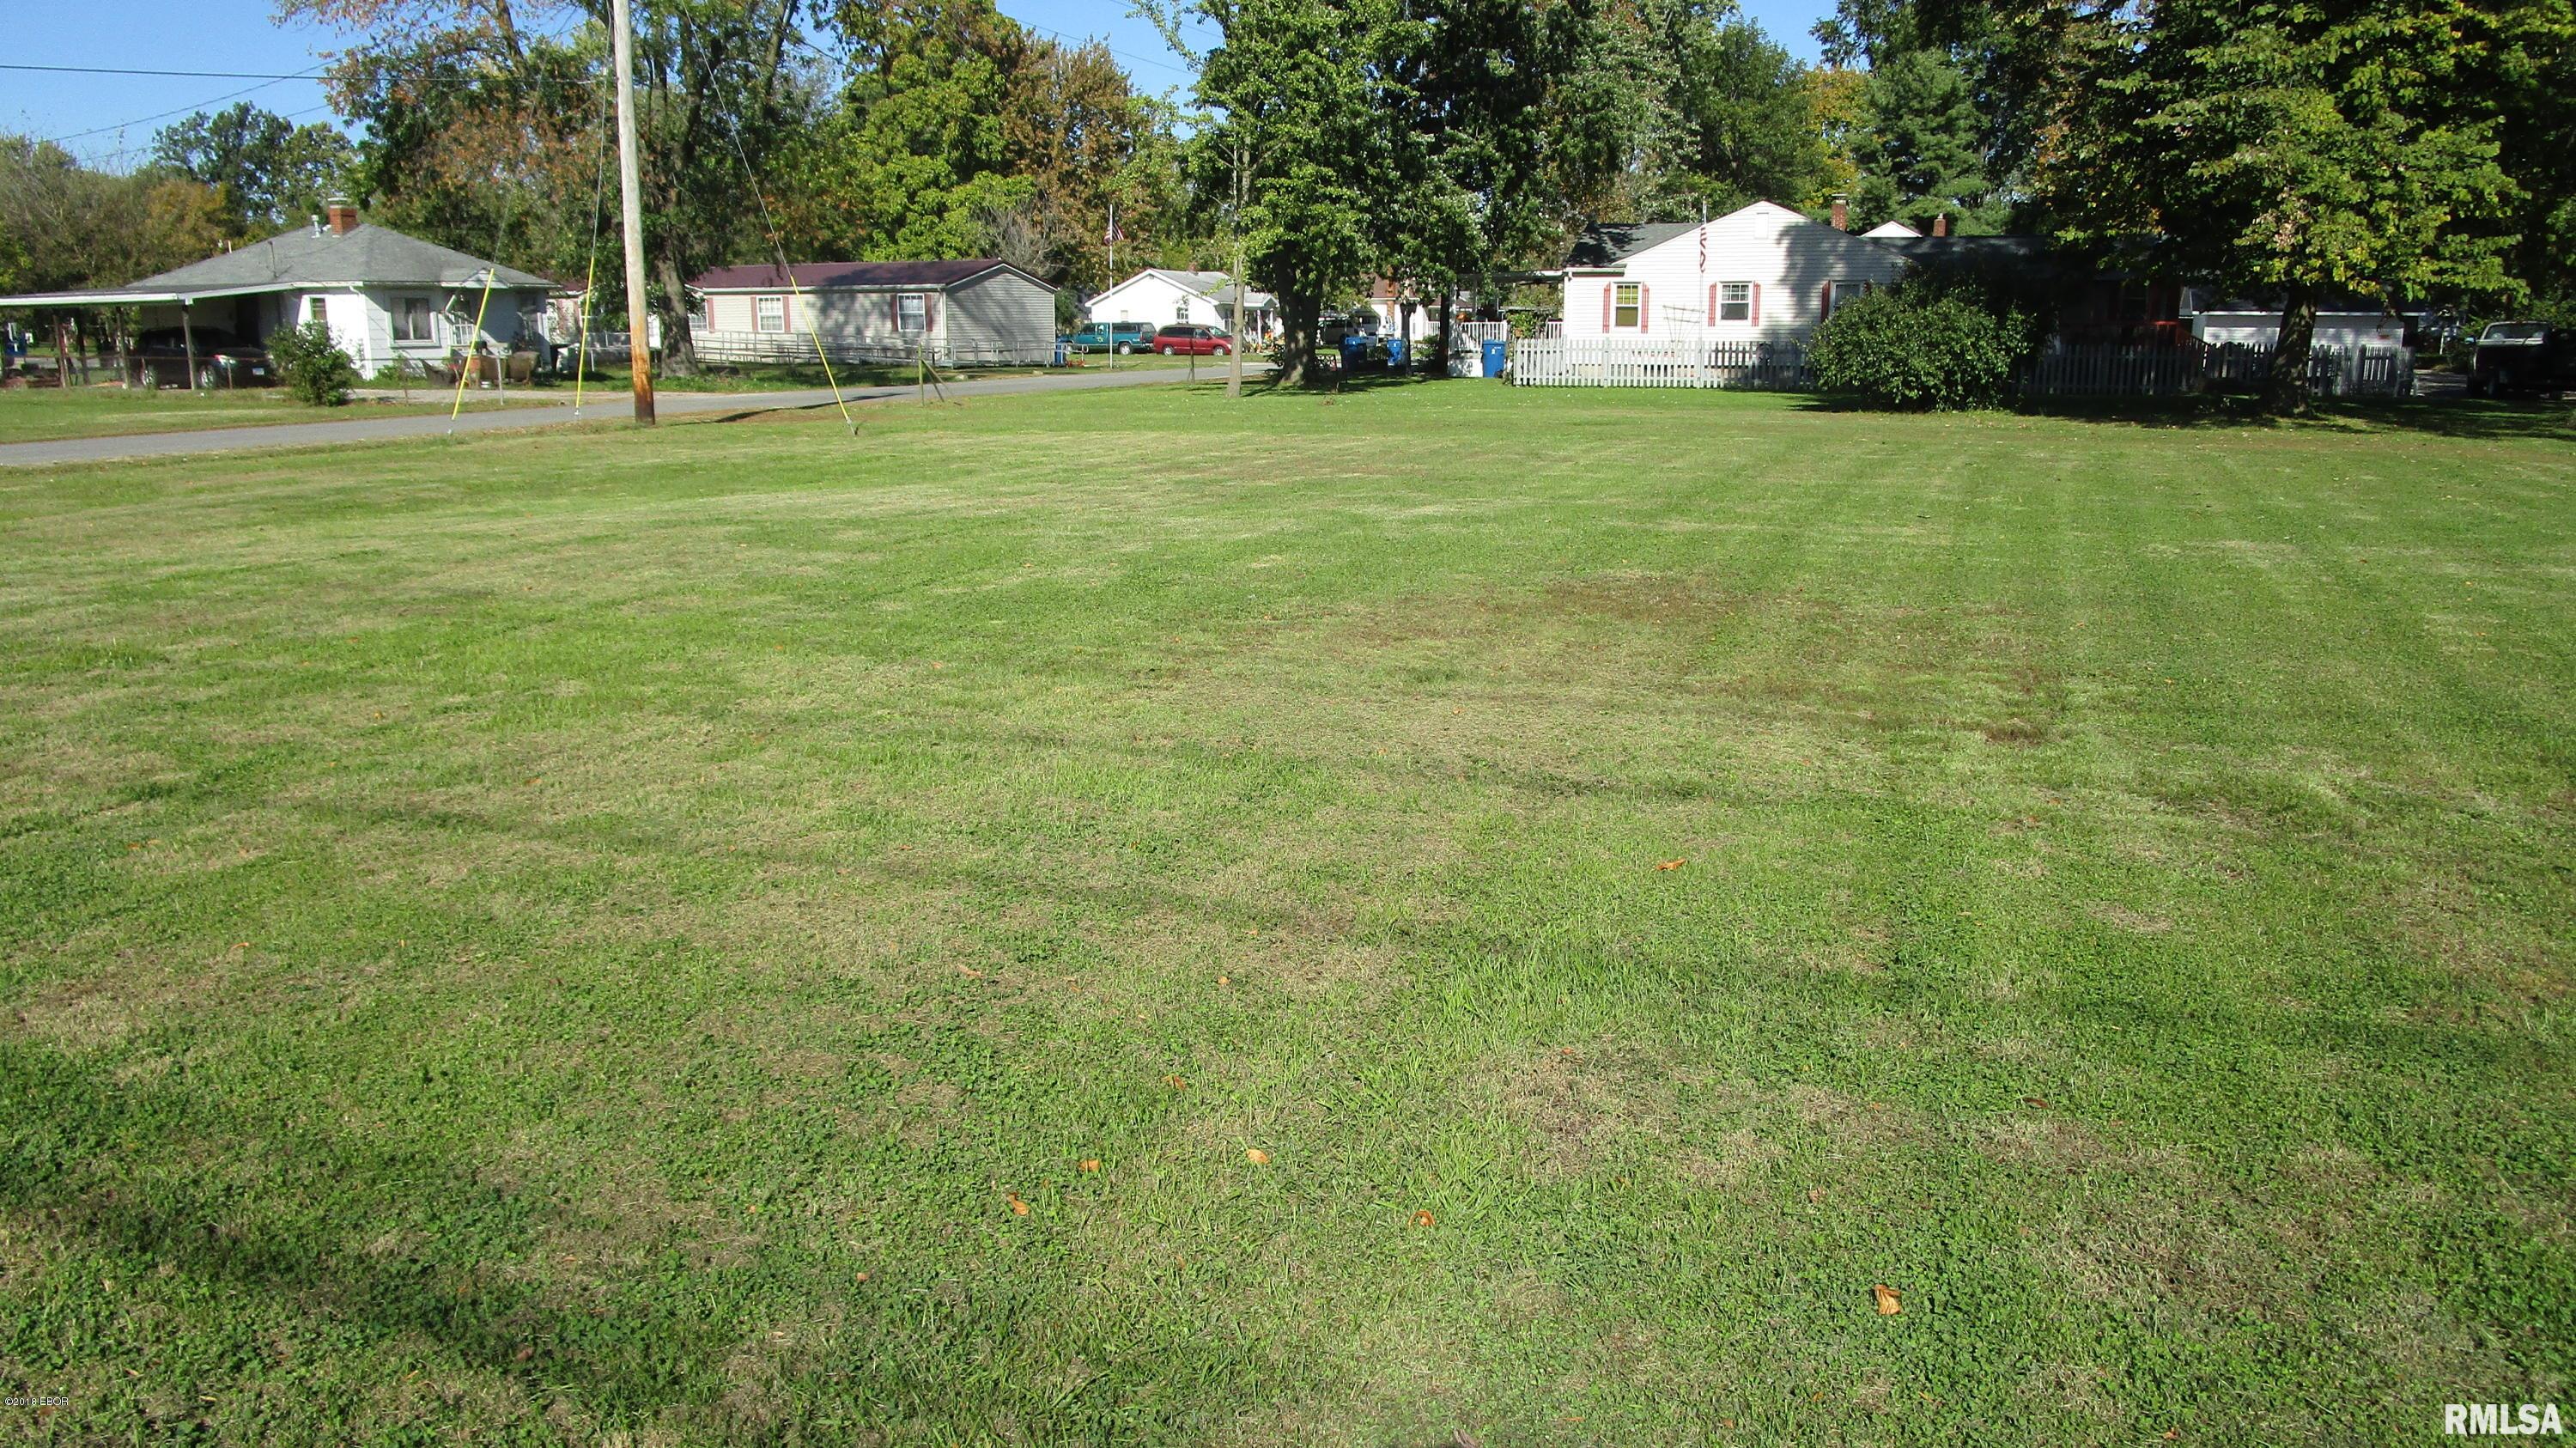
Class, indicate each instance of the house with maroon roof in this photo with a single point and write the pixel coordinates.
(970, 312)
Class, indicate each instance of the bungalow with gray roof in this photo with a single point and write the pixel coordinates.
(387, 297)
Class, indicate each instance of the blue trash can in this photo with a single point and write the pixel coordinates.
(1395, 354)
(1061, 348)
(1354, 353)
(1496, 351)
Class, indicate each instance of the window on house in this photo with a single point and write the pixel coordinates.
(411, 319)
(1623, 306)
(769, 314)
(912, 314)
(313, 311)
(1735, 301)
(1181, 310)
(1843, 294)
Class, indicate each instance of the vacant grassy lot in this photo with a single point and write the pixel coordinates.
(44, 414)
(1113, 918)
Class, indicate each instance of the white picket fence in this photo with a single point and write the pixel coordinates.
(2079, 370)
(1656, 362)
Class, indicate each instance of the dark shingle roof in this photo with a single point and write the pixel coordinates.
(362, 255)
(817, 274)
(1614, 242)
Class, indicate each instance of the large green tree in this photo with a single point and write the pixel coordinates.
(1920, 152)
(272, 173)
(2295, 149)
(1292, 92)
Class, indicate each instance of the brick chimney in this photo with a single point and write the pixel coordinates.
(1941, 224)
(1842, 213)
(342, 216)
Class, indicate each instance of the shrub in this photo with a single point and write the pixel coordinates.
(1920, 344)
(311, 365)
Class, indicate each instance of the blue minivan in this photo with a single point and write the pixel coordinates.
(1119, 337)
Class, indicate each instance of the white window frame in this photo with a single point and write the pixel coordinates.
(412, 325)
(769, 314)
(1735, 301)
(1845, 293)
(912, 313)
(1627, 306)
(316, 311)
(1181, 310)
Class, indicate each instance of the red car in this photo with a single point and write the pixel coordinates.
(1187, 341)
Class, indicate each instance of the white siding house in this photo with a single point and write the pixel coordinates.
(1764, 273)
(957, 313)
(2342, 322)
(1162, 297)
(388, 298)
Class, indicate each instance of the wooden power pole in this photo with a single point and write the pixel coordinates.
(639, 316)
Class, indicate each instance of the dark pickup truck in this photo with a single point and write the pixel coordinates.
(2523, 357)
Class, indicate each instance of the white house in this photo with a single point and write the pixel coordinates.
(1763, 273)
(2341, 321)
(957, 313)
(1163, 297)
(386, 297)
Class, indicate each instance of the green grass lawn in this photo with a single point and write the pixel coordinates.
(45, 414)
(744, 934)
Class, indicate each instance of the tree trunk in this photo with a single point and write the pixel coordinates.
(1298, 312)
(679, 345)
(1448, 308)
(2285, 391)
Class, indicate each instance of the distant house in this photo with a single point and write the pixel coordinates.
(1763, 273)
(955, 313)
(386, 297)
(1164, 297)
(1771, 274)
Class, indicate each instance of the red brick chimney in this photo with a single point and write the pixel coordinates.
(1842, 214)
(342, 216)
(1941, 224)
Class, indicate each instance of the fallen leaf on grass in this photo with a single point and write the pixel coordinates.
(1176, 1083)
(1888, 1306)
(970, 970)
(1815, 1194)
(1090, 1163)
(862, 1277)
(1422, 1219)
(1257, 1156)
(2039, 1102)
(1018, 1208)
(1672, 864)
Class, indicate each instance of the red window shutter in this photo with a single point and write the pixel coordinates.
(1712, 303)
(1643, 296)
(1605, 306)
(1756, 307)
(1825, 302)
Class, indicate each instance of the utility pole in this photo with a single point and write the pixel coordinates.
(639, 317)
(1242, 288)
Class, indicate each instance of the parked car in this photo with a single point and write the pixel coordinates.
(1186, 340)
(160, 359)
(1119, 337)
(2523, 357)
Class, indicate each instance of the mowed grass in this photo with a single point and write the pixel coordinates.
(745, 934)
(46, 414)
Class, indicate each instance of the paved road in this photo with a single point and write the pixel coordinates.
(610, 407)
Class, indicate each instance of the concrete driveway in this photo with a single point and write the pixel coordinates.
(609, 407)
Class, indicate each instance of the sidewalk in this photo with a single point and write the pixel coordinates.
(602, 407)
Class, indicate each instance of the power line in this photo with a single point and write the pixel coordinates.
(184, 74)
(180, 111)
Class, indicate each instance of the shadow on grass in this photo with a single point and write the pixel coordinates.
(2439, 417)
(286, 1217)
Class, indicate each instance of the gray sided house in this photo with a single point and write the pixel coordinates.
(386, 297)
(955, 313)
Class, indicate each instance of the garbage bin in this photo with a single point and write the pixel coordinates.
(1496, 350)
(1354, 352)
(1061, 348)
(1395, 354)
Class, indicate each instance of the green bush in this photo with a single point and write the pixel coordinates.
(1921, 344)
(311, 365)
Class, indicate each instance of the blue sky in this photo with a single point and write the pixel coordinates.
(110, 119)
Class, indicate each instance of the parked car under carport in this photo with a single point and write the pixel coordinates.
(159, 358)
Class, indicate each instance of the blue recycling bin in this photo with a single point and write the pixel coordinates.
(1354, 353)
(1395, 354)
(1496, 352)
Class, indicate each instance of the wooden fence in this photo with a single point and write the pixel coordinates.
(2082, 370)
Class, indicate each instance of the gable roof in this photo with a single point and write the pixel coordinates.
(1890, 229)
(1614, 242)
(822, 275)
(365, 254)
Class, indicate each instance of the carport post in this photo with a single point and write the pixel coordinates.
(188, 339)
